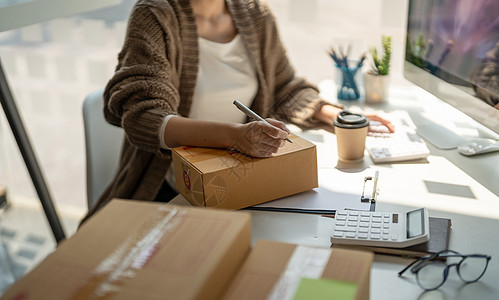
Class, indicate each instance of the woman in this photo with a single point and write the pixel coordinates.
(182, 65)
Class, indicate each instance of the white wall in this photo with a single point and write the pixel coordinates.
(310, 27)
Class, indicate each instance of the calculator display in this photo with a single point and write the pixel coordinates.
(415, 223)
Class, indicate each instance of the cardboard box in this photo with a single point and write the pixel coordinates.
(272, 269)
(228, 179)
(143, 250)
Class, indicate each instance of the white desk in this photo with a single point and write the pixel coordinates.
(470, 234)
(436, 183)
(423, 106)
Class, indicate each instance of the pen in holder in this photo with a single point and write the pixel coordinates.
(348, 81)
(347, 74)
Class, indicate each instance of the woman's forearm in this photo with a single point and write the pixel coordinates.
(184, 131)
(258, 139)
(327, 113)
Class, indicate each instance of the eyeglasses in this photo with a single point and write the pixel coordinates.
(432, 270)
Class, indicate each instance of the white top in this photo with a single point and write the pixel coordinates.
(225, 74)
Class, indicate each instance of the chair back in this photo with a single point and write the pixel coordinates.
(102, 144)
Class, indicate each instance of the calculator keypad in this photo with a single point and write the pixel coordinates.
(364, 226)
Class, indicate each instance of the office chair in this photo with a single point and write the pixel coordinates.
(102, 144)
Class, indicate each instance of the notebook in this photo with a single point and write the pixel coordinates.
(440, 229)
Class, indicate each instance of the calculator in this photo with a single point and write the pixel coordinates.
(381, 229)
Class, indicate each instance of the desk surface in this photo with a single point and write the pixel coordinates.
(422, 107)
(447, 183)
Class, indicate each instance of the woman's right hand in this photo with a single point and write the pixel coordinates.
(259, 139)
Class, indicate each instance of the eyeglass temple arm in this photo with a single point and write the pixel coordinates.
(421, 259)
(429, 257)
(409, 265)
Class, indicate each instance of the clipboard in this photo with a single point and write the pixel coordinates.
(370, 190)
(338, 190)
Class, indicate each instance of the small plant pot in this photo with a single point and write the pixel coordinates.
(376, 88)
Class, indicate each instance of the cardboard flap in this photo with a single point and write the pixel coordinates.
(297, 145)
(208, 160)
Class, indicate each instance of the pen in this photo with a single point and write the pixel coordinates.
(361, 60)
(252, 114)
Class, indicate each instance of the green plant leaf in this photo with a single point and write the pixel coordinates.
(382, 63)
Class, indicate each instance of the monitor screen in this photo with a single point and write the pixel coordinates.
(456, 43)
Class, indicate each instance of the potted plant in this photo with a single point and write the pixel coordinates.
(376, 80)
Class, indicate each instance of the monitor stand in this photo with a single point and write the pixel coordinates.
(445, 127)
(445, 137)
(439, 136)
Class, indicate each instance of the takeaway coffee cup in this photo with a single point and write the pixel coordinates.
(351, 132)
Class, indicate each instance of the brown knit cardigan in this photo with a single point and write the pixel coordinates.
(156, 75)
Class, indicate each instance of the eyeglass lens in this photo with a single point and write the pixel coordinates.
(472, 268)
(434, 273)
(431, 275)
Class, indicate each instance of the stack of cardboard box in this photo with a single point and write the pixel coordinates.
(276, 270)
(145, 250)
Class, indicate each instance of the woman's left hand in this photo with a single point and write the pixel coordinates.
(327, 113)
(376, 118)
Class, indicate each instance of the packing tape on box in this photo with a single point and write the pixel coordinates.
(229, 157)
(133, 254)
(306, 262)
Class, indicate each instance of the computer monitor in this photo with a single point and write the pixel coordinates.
(452, 51)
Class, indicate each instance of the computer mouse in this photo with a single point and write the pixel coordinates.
(478, 146)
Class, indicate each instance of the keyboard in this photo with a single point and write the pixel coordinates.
(402, 145)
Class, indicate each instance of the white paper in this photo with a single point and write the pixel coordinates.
(337, 190)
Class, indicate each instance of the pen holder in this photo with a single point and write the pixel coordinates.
(348, 81)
